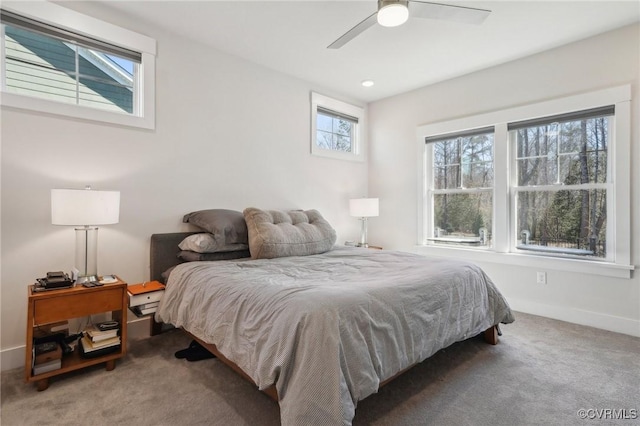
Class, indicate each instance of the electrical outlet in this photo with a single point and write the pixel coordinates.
(541, 278)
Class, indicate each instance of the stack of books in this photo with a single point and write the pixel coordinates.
(97, 342)
(144, 298)
(46, 357)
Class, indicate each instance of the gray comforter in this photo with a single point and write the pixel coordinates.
(327, 329)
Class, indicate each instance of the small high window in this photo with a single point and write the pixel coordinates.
(336, 129)
(47, 61)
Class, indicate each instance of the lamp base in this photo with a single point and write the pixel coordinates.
(363, 233)
(86, 254)
(365, 245)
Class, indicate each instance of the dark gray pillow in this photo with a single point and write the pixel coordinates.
(208, 243)
(275, 233)
(192, 256)
(226, 226)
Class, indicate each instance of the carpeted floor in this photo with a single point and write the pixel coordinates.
(541, 373)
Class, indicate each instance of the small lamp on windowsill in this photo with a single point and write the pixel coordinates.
(363, 208)
(85, 208)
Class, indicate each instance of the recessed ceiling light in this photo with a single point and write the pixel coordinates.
(367, 83)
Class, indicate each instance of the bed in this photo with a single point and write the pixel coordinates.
(321, 330)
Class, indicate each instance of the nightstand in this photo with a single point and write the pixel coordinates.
(144, 298)
(52, 306)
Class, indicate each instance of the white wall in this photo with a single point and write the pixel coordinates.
(229, 134)
(604, 61)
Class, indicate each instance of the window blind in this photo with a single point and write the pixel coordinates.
(463, 134)
(338, 115)
(563, 118)
(29, 24)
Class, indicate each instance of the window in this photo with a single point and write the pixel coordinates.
(54, 67)
(560, 196)
(461, 190)
(548, 182)
(336, 129)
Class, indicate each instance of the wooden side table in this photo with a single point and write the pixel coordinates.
(52, 306)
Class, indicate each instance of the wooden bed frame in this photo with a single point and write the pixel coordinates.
(163, 253)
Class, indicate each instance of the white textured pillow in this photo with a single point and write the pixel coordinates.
(274, 233)
(206, 243)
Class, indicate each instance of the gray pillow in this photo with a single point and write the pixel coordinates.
(207, 243)
(192, 256)
(275, 233)
(226, 226)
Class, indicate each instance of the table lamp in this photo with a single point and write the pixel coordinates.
(85, 208)
(363, 208)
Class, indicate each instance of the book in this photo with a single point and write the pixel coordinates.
(149, 305)
(89, 346)
(99, 335)
(143, 311)
(86, 352)
(45, 367)
(46, 352)
(108, 325)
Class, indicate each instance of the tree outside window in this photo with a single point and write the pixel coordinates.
(562, 178)
(334, 132)
(463, 188)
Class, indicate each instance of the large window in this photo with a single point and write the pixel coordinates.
(51, 63)
(545, 181)
(562, 169)
(336, 129)
(462, 187)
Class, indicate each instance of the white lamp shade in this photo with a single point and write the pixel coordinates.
(363, 207)
(84, 207)
(393, 14)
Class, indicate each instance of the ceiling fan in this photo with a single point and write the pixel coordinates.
(392, 13)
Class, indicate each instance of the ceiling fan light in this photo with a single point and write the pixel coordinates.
(393, 14)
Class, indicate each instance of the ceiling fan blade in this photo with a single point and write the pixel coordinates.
(354, 32)
(448, 12)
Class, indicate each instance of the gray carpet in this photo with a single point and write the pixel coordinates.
(541, 373)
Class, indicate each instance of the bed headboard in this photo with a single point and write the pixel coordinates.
(164, 252)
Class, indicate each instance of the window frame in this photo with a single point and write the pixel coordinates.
(66, 19)
(504, 239)
(358, 151)
(607, 186)
(431, 236)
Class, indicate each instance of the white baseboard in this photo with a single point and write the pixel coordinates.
(138, 328)
(578, 316)
(12, 358)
